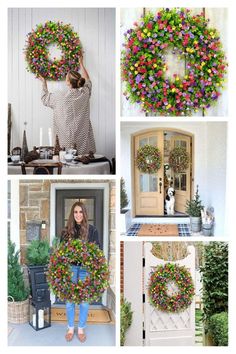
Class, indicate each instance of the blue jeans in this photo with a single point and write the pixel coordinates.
(77, 273)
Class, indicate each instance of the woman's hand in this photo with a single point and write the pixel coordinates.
(81, 58)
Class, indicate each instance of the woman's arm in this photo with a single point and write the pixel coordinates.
(46, 96)
(84, 72)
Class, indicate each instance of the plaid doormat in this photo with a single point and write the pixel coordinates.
(184, 230)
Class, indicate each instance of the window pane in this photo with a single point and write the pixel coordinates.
(176, 182)
(183, 182)
(143, 142)
(148, 183)
(153, 141)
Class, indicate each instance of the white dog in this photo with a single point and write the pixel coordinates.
(170, 201)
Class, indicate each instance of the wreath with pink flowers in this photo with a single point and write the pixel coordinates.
(59, 275)
(179, 159)
(144, 67)
(180, 277)
(38, 56)
(148, 159)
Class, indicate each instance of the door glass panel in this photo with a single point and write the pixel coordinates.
(148, 183)
(89, 204)
(176, 183)
(143, 142)
(183, 182)
(153, 140)
(181, 143)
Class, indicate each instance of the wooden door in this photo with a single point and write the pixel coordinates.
(149, 188)
(182, 181)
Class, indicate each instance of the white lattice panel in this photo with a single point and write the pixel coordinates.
(162, 328)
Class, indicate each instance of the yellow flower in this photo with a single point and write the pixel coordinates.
(143, 35)
(136, 65)
(145, 30)
(173, 90)
(203, 63)
(142, 98)
(209, 70)
(136, 72)
(131, 68)
(186, 77)
(180, 25)
(168, 106)
(173, 28)
(154, 65)
(177, 78)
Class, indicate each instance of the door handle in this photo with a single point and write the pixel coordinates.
(160, 185)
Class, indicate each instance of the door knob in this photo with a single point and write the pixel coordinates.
(160, 185)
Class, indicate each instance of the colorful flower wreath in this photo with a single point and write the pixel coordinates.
(90, 257)
(144, 66)
(158, 288)
(179, 159)
(37, 53)
(148, 159)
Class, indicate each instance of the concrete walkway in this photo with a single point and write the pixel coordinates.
(25, 335)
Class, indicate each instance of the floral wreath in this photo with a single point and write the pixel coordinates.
(60, 278)
(158, 288)
(37, 53)
(148, 159)
(179, 159)
(144, 67)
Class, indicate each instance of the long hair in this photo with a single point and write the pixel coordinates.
(76, 80)
(72, 230)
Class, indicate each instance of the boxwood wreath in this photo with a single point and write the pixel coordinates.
(144, 67)
(158, 288)
(37, 53)
(148, 159)
(179, 159)
(59, 275)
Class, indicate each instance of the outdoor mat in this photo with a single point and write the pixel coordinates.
(184, 230)
(158, 230)
(94, 316)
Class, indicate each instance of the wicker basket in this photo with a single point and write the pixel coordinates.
(18, 311)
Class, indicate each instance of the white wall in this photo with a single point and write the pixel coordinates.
(218, 19)
(209, 160)
(96, 29)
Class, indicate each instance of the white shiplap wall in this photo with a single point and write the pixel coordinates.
(96, 29)
(218, 19)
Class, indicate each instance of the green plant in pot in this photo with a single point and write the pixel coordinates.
(193, 209)
(125, 214)
(37, 258)
(18, 293)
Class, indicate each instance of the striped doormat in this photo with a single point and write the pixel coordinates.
(183, 230)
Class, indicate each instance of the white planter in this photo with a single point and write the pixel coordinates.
(125, 221)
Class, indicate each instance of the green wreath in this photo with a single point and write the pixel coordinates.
(37, 53)
(148, 159)
(158, 288)
(60, 278)
(179, 159)
(144, 67)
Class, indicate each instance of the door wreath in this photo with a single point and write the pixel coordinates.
(144, 67)
(90, 257)
(148, 159)
(37, 53)
(158, 288)
(179, 159)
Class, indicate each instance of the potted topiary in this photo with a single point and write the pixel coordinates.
(207, 221)
(18, 293)
(193, 209)
(125, 214)
(37, 257)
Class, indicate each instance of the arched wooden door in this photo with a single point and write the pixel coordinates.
(150, 189)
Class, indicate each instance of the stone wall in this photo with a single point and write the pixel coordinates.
(35, 205)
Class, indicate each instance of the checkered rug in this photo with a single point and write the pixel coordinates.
(184, 230)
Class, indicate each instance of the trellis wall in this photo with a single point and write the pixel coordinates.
(96, 28)
(218, 19)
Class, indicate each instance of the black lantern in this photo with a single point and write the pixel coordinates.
(40, 314)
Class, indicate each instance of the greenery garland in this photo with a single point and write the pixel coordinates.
(144, 67)
(60, 278)
(158, 288)
(37, 53)
(179, 159)
(148, 159)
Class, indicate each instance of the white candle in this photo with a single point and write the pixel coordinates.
(41, 137)
(41, 313)
(41, 322)
(34, 319)
(50, 136)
